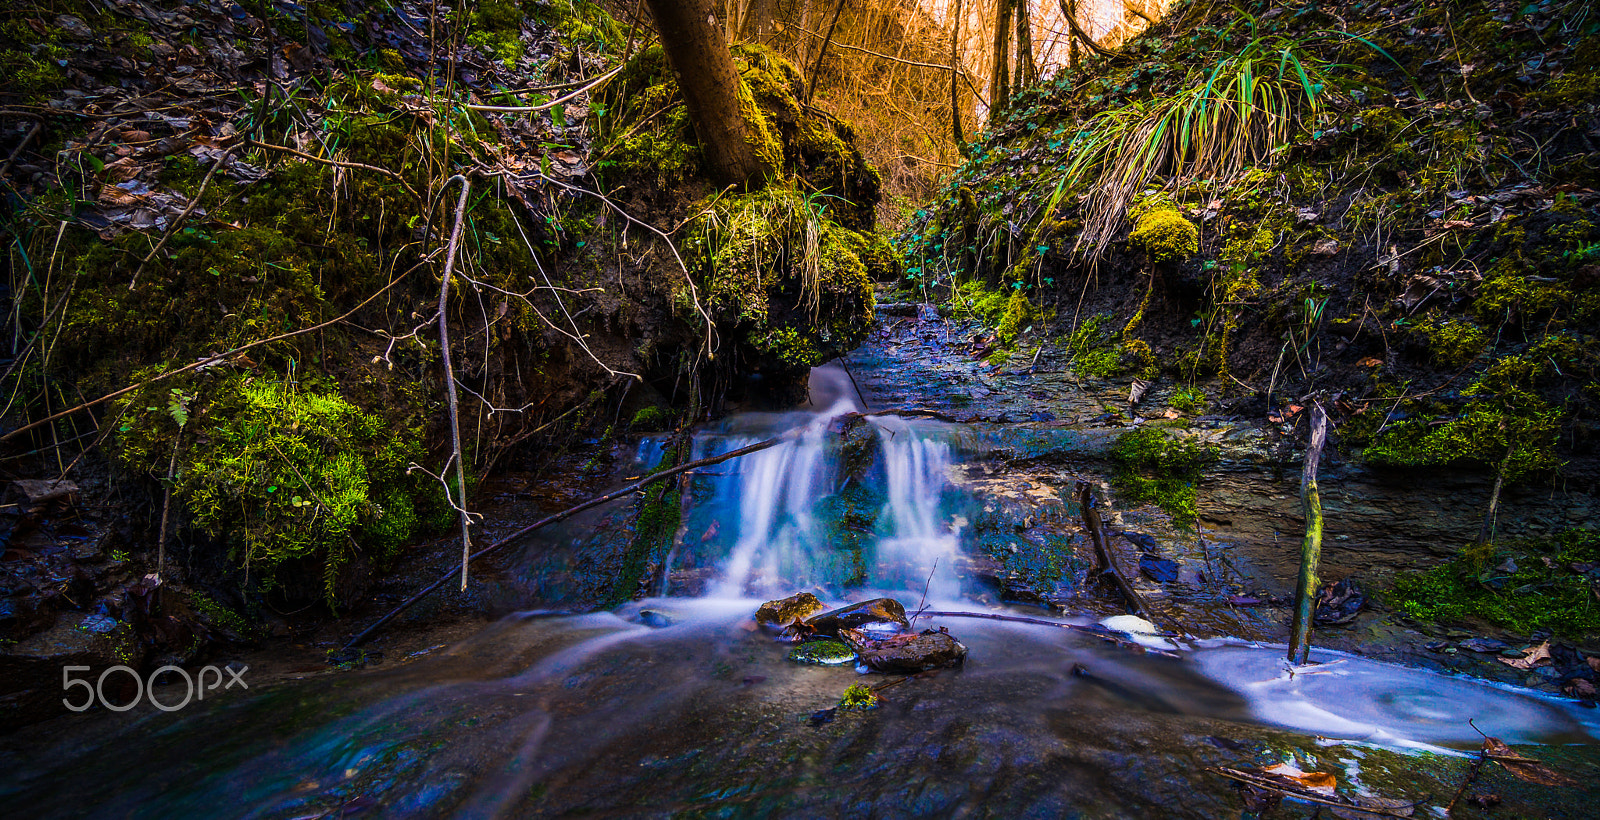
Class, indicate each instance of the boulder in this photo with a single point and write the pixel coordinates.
(877, 617)
(789, 610)
(908, 654)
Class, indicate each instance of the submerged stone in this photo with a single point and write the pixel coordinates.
(914, 653)
(884, 616)
(822, 653)
(788, 610)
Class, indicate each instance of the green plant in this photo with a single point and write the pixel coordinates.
(1235, 115)
(859, 696)
(1153, 467)
(1191, 400)
(1522, 586)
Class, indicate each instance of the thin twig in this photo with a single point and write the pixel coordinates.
(367, 633)
(528, 109)
(450, 373)
(173, 228)
(342, 164)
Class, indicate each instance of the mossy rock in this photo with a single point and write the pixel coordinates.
(822, 653)
(284, 476)
(781, 279)
(1165, 235)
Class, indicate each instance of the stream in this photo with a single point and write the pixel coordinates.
(676, 706)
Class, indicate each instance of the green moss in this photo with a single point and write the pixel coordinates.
(1191, 400)
(1540, 593)
(1503, 423)
(1164, 234)
(1014, 319)
(651, 418)
(781, 277)
(1153, 467)
(1454, 343)
(282, 475)
(1573, 89)
(859, 696)
(1096, 354)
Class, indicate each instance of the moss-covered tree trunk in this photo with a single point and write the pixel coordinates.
(697, 49)
(1305, 596)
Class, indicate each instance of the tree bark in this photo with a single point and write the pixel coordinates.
(697, 50)
(955, 70)
(758, 20)
(1305, 596)
(1000, 76)
(1027, 72)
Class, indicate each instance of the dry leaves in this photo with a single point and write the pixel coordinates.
(1525, 768)
(1263, 788)
(1537, 656)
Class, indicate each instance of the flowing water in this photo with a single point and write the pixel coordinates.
(696, 714)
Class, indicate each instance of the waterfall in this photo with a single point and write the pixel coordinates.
(919, 543)
(775, 521)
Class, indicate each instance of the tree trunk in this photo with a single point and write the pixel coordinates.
(1305, 596)
(1069, 9)
(758, 20)
(955, 73)
(697, 50)
(1000, 76)
(1027, 72)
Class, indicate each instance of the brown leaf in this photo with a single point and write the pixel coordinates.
(122, 170)
(1318, 782)
(1525, 768)
(1537, 656)
(1370, 361)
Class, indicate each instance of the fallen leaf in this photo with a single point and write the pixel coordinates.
(1370, 361)
(1525, 768)
(1319, 782)
(1537, 656)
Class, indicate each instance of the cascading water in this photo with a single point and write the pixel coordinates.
(786, 509)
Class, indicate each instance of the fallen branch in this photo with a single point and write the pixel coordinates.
(220, 358)
(528, 109)
(1102, 551)
(367, 633)
(17, 152)
(1338, 801)
(1100, 632)
(1305, 604)
(342, 164)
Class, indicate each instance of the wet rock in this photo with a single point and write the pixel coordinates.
(788, 610)
(1158, 569)
(910, 653)
(879, 616)
(656, 619)
(822, 653)
(30, 672)
(1487, 646)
